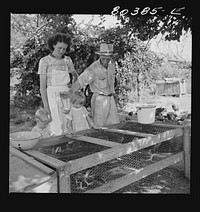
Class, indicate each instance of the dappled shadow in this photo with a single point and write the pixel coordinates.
(28, 184)
(168, 180)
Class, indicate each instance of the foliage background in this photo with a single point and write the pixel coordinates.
(137, 67)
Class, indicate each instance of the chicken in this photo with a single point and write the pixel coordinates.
(159, 110)
(175, 107)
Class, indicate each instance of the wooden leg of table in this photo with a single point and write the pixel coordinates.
(63, 181)
(186, 147)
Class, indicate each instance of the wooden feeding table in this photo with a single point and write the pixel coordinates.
(108, 159)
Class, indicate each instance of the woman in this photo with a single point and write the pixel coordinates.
(54, 72)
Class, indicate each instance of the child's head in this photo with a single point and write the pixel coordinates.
(78, 99)
(42, 118)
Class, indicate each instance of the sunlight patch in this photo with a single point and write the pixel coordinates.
(152, 189)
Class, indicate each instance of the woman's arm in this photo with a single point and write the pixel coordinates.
(43, 91)
(75, 76)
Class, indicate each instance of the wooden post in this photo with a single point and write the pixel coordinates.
(61, 167)
(186, 147)
(63, 180)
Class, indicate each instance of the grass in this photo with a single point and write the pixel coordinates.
(21, 119)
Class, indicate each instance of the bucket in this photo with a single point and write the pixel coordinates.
(146, 114)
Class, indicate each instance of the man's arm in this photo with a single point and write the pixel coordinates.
(75, 87)
(85, 78)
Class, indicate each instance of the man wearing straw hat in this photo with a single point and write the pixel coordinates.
(100, 76)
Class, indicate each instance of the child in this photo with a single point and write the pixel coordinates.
(43, 119)
(78, 117)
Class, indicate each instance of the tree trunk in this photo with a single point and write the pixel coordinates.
(139, 86)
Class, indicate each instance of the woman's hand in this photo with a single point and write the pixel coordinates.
(66, 94)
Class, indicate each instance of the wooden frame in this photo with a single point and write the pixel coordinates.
(65, 169)
(49, 175)
(186, 147)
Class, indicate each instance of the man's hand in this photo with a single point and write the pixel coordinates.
(116, 98)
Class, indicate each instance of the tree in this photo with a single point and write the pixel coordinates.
(22, 25)
(144, 26)
(136, 71)
(135, 63)
(146, 23)
(26, 57)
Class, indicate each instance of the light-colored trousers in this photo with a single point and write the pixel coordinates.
(104, 110)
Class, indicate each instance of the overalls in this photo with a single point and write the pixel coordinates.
(59, 82)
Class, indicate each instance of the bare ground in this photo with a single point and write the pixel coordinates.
(170, 179)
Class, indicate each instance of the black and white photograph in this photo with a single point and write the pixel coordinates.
(101, 102)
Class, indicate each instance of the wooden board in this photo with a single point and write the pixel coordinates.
(23, 177)
(159, 124)
(127, 132)
(31, 161)
(94, 140)
(46, 159)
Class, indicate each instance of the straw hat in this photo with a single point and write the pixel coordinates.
(105, 49)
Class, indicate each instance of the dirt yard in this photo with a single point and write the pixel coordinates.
(168, 180)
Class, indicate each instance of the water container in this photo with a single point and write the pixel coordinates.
(146, 114)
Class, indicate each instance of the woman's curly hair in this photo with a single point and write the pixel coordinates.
(59, 37)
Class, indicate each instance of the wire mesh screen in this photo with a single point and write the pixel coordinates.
(163, 181)
(72, 150)
(143, 128)
(103, 173)
(112, 136)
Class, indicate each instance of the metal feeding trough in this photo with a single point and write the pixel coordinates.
(108, 159)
